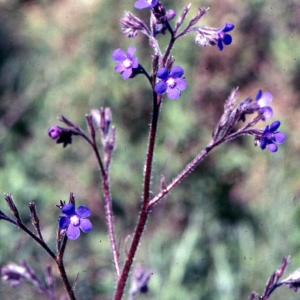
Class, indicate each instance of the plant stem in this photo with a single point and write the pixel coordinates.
(108, 210)
(108, 202)
(190, 167)
(179, 177)
(63, 274)
(20, 224)
(58, 259)
(145, 207)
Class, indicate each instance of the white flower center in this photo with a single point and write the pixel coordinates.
(171, 82)
(75, 220)
(127, 63)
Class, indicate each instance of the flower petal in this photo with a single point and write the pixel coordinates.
(227, 39)
(279, 137)
(141, 4)
(73, 232)
(176, 72)
(63, 222)
(259, 94)
(83, 211)
(119, 55)
(119, 68)
(126, 74)
(268, 112)
(135, 63)
(265, 99)
(173, 93)
(220, 44)
(274, 126)
(130, 52)
(69, 209)
(160, 87)
(85, 225)
(273, 147)
(227, 27)
(263, 143)
(163, 73)
(181, 84)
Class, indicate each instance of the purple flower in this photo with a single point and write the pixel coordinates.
(270, 137)
(61, 135)
(126, 62)
(172, 83)
(73, 220)
(141, 4)
(263, 100)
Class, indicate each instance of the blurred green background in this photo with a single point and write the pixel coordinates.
(222, 232)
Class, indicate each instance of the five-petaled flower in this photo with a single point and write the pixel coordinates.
(270, 137)
(172, 83)
(141, 4)
(126, 62)
(73, 220)
(61, 135)
(263, 101)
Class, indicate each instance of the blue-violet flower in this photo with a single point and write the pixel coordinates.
(263, 101)
(126, 61)
(224, 37)
(213, 36)
(141, 4)
(73, 220)
(172, 83)
(270, 137)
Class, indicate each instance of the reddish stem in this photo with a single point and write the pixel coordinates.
(145, 210)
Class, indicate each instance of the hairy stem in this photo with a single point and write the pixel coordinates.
(58, 259)
(107, 199)
(20, 224)
(63, 274)
(191, 166)
(146, 192)
(108, 211)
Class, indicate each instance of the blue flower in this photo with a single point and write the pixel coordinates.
(223, 36)
(126, 61)
(172, 83)
(263, 100)
(141, 4)
(270, 137)
(213, 36)
(73, 220)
